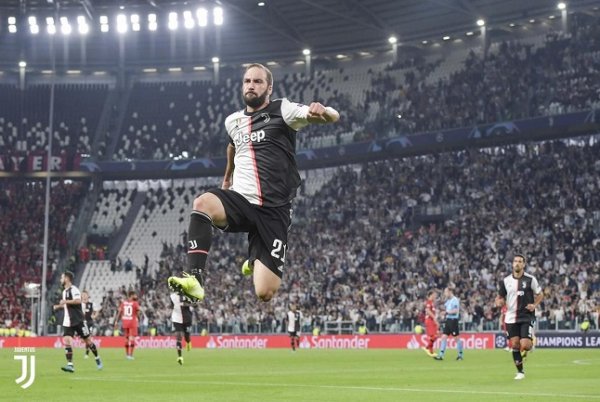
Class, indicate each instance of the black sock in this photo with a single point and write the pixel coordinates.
(293, 344)
(69, 354)
(187, 337)
(518, 360)
(199, 241)
(87, 350)
(179, 348)
(92, 347)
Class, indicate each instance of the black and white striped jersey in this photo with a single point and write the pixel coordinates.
(293, 320)
(265, 170)
(73, 312)
(182, 311)
(88, 310)
(518, 293)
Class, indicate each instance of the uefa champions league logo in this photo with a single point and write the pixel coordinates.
(500, 341)
(27, 366)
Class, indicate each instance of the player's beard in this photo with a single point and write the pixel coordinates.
(255, 101)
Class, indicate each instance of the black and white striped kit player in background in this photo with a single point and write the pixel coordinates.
(181, 317)
(521, 293)
(294, 318)
(73, 321)
(90, 313)
(259, 185)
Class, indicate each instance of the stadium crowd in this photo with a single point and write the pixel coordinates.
(511, 81)
(364, 249)
(185, 119)
(22, 235)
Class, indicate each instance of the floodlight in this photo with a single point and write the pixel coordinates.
(202, 16)
(218, 16)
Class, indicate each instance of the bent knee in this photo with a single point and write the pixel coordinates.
(204, 202)
(265, 295)
(526, 344)
(212, 206)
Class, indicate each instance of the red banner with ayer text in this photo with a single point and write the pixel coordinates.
(397, 341)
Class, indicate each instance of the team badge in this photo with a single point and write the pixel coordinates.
(266, 117)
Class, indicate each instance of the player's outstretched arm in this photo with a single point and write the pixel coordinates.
(319, 114)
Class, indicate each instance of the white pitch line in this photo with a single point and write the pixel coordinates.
(584, 362)
(356, 388)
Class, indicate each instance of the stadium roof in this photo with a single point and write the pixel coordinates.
(278, 29)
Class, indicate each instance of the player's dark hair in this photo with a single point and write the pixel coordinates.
(431, 292)
(132, 294)
(69, 275)
(264, 68)
(520, 255)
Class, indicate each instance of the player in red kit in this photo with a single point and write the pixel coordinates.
(431, 323)
(128, 313)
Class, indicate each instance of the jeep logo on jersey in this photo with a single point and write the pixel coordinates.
(255, 136)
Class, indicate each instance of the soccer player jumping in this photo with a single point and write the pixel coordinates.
(259, 185)
(521, 293)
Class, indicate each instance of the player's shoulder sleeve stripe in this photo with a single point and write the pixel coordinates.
(230, 120)
(294, 114)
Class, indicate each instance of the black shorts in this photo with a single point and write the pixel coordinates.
(185, 327)
(451, 327)
(267, 228)
(521, 330)
(80, 329)
(293, 334)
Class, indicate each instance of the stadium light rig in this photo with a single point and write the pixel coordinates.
(121, 23)
(50, 27)
(561, 6)
(124, 22)
(480, 22)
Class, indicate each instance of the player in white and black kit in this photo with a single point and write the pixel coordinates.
(90, 312)
(181, 317)
(294, 318)
(73, 321)
(259, 185)
(521, 293)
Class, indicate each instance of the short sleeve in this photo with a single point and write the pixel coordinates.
(294, 114)
(75, 293)
(535, 286)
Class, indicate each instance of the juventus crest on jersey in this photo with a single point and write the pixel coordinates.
(518, 293)
(265, 171)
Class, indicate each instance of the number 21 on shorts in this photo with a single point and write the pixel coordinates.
(279, 250)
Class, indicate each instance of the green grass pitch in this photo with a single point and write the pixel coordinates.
(308, 375)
